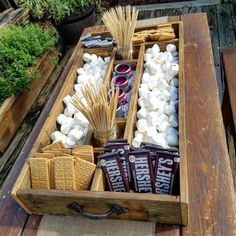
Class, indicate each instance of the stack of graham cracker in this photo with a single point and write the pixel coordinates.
(63, 169)
(162, 33)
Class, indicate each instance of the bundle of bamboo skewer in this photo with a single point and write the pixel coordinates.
(98, 111)
(121, 23)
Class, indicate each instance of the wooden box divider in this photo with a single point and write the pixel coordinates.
(160, 208)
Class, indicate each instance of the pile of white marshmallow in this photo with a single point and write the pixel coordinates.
(73, 124)
(158, 98)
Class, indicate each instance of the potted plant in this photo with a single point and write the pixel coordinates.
(68, 16)
(27, 56)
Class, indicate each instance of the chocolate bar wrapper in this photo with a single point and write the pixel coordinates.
(122, 149)
(142, 172)
(118, 141)
(115, 176)
(165, 171)
(155, 147)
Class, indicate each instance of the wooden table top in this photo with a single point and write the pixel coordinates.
(212, 203)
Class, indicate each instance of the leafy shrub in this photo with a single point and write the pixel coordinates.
(55, 9)
(20, 46)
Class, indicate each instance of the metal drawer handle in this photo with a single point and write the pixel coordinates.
(114, 209)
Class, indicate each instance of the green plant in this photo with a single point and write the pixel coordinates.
(20, 46)
(56, 10)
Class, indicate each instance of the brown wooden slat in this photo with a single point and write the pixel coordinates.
(229, 59)
(211, 196)
(32, 225)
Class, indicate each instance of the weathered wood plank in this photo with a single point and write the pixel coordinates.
(212, 206)
(195, 3)
(32, 225)
(213, 26)
(226, 27)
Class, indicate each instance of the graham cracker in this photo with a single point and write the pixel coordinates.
(84, 152)
(44, 155)
(51, 174)
(39, 169)
(56, 153)
(55, 145)
(64, 173)
(84, 171)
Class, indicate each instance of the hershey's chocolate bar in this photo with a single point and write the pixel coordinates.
(122, 149)
(165, 171)
(142, 172)
(112, 167)
(155, 147)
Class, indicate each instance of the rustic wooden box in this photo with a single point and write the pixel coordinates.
(132, 206)
(15, 108)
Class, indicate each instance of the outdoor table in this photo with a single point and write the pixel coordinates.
(212, 203)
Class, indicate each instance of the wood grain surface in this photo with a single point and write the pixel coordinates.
(211, 195)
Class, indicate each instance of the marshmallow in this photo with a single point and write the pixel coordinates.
(138, 134)
(142, 113)
(66, 128)
(61, 119)
(174, 69)
(155, 49)
(149, 50)
(81, 119)
(167, 76)
(56, 135)
(170, 109)
(153, 104)
(166, 66)
(174, 82)
(142, 103)
(172, 140)
(159, 139)
(172, 130)
(70, 110)
(161, 106)
(94, 57)
(142, 125)
(86, 67)
(160, 58)
(70, 142)
(169, 57)
(87, 57)
(163, 117)
(173, 120)
(173, 89)
(67, 99)
(147, 56)
(78, 90)
(175, 103)
(163, 127)
(136, 142)
(166, 95)
(78, 134)
(171, 48)
(162, 84)
(142, 91)
(107, 59)
(156, 92)
(173, 96)
(80, 71)
(145, 78)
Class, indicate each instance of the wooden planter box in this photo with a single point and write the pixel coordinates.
(140, 206)
(15, 108)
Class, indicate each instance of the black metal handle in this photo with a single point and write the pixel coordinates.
(114, 209)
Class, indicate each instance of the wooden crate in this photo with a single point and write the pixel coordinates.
(132, 206)
(15, 108)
